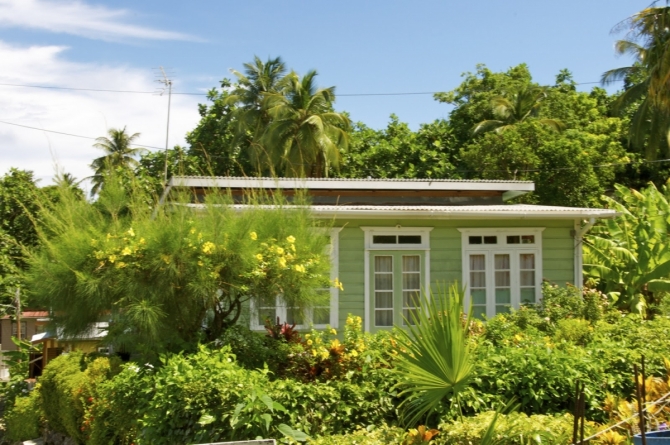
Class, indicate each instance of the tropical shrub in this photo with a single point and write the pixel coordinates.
(629, 256)
(573, 330)
(372, 435)
(23, 418)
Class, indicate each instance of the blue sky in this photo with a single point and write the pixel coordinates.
(359, 47)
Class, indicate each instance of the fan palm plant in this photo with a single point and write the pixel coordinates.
(118, 154)
(435, 361)
(522, 105)
(306, 135)
(648, 44)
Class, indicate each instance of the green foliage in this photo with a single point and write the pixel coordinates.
(23, 417)
(574, 330)
(69, 388)
(399, 152)
(169, 278)
(629, 255)
(435, 361)
(510, 429)
(151, 167)
(372, 435)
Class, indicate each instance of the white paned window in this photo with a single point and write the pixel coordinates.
(397, 269)
(502, 268)
(324, 311)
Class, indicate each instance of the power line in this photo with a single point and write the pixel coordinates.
(538, 170)
(101, 90)
(68, 134)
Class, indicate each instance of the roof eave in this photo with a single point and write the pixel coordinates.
(431, 214)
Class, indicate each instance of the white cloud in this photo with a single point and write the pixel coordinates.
(78, 112)
(78, 18)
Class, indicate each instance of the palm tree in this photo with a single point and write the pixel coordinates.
(260, 78)
(118, 154)
(648, 44)
(306, 135)
(523, 104)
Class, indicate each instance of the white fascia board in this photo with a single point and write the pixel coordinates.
(432, 214)
(325, 184)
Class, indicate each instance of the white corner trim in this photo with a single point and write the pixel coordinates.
(334, 274)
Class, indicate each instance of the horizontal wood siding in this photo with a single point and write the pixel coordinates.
(352, 264)
(445, 253)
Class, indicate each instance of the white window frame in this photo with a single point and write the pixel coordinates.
(369, 232)
(280, 308)
(501, 248)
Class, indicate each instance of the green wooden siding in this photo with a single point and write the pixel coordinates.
(445, 253)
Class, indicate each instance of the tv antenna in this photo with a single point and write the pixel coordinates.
(167, 82)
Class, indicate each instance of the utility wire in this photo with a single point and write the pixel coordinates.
(616, 164)
(100, 90)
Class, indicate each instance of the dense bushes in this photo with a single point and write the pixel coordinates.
(22, 419)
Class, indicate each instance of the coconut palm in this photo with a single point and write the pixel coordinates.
(306, 135)
(259, 79)
(118, 154)
(648, 44)
(522, 105)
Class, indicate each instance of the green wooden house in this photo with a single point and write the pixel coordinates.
(392, 238)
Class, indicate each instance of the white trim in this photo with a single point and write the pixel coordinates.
(579, 232)
(503, 248)
(424, 247)
(349, 184)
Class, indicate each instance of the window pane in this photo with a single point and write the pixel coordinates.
(502, 309)
(383, 239)
(321, 315)
(513, 239)
(383, 281)
(502, 262)
(528, 295)
(409, 239)
(477, 262)
(410, 299)
(490, 240)
(411, 263)
(266, 314)
(503, 296)
(528, 239)
(477, 279)
(475, 239)
(384, 318)
(527, 261)
(479, 312)
(503, 279)
(411, 281)
(527, 278)
(383, 300)
(478, 296)
(409, 316)
(383, 264)
(294, 316)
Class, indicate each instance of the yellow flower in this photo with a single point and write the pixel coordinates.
(200, 263)
(120, 265)
(282, 262)
(259, 257)
(94, 242)
(291, 239)
(126, 251)
(314, 352)
(299, 268)
(130, 232)
(309, 342)
(208, 247)
(253, 236)
(192, 230)
(280, 251)
(142, 241)
(338, 284)
(354, 353)
(333, 331)
(293, 247)
(112, 258)
(166, 259)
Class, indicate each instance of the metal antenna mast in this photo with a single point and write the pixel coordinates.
(168, 84)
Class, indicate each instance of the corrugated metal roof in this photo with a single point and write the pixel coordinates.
(265, 178)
